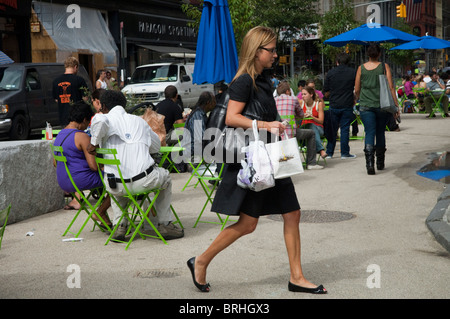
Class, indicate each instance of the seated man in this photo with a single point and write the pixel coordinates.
(436, 84)
(289, 105)
(134, 141)
(172, 112)
(195, 127)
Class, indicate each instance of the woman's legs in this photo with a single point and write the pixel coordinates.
(369, 121)
(293, 246)
(245, 225)
(318, 131)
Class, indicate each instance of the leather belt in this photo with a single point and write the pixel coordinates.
(137, 177)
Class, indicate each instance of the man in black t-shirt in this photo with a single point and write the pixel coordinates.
(339, 86)
(69, 88)
(171, 110)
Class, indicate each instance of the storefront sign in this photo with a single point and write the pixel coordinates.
(162, 30)
(15, 7)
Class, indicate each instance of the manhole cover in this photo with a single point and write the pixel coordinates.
(319, 216)
(158, 273)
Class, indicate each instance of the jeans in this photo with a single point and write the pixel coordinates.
(318, 130)
(309, 136)
(340, 118)
(374, 121)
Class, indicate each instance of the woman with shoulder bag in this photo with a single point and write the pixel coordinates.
(367, 91)
(258, 52)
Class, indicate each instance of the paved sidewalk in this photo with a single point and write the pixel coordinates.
(362, 237)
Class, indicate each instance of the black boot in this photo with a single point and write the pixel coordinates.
(370, 159)
(379, 152)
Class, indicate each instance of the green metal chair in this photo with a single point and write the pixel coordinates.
(4, 214)
(55, 132)
(134, 208)
(209, 190)
(85, 204)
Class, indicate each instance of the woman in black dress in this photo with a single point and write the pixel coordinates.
(258, 52)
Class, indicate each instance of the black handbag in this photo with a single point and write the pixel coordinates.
(223, 144)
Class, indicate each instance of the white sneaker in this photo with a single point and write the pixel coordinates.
(315, 167)
(348, 156)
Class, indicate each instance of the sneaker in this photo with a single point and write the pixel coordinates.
(314, 167)
(329, 157)
(348, 156)
(119, 234)
(170, 231)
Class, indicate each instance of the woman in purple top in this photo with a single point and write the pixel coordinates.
(408, 87)
(81, 164)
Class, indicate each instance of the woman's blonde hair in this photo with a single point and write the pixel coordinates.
(253, 41)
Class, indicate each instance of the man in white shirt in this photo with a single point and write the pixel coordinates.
(134, 141)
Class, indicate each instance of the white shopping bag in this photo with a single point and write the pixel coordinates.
(256, 173)
(285, 157)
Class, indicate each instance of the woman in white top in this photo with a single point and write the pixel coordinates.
(101, 83)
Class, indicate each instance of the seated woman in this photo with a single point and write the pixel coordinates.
(408, 87)
(195, 126)
(420, 88)
(314, 116)
(81, 164)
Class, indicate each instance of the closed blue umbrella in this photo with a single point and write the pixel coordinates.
(4, 59)
(216, 56)
(426, 42)
(371, 32)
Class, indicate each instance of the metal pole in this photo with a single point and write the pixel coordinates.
(292, 58)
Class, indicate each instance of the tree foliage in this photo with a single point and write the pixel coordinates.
(400, 57)
(241, 13)
(291, 15)
(339, 19)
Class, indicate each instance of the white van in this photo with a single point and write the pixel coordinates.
(148, 82)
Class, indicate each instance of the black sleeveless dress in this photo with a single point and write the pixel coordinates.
(230, 199)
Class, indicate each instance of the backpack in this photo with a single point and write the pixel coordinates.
(408, 107)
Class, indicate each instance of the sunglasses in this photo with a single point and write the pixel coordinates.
(272, 50)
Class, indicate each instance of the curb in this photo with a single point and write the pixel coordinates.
(438, 221)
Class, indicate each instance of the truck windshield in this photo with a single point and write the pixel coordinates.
(10, 79)
(159, 73)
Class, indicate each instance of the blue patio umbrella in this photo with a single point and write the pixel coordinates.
(426, 42)
(370, 32)
(4, 59)
(216, 56)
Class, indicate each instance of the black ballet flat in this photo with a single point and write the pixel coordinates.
(191, 266)
(318, 290)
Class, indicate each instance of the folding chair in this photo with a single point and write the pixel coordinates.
(85, 204)
(55, 132)
(133, 209)
(437, 96)
(4, 214)
(197, 172)
(209, 190)
(165, 151)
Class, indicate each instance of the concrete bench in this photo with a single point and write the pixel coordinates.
(28, 179)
